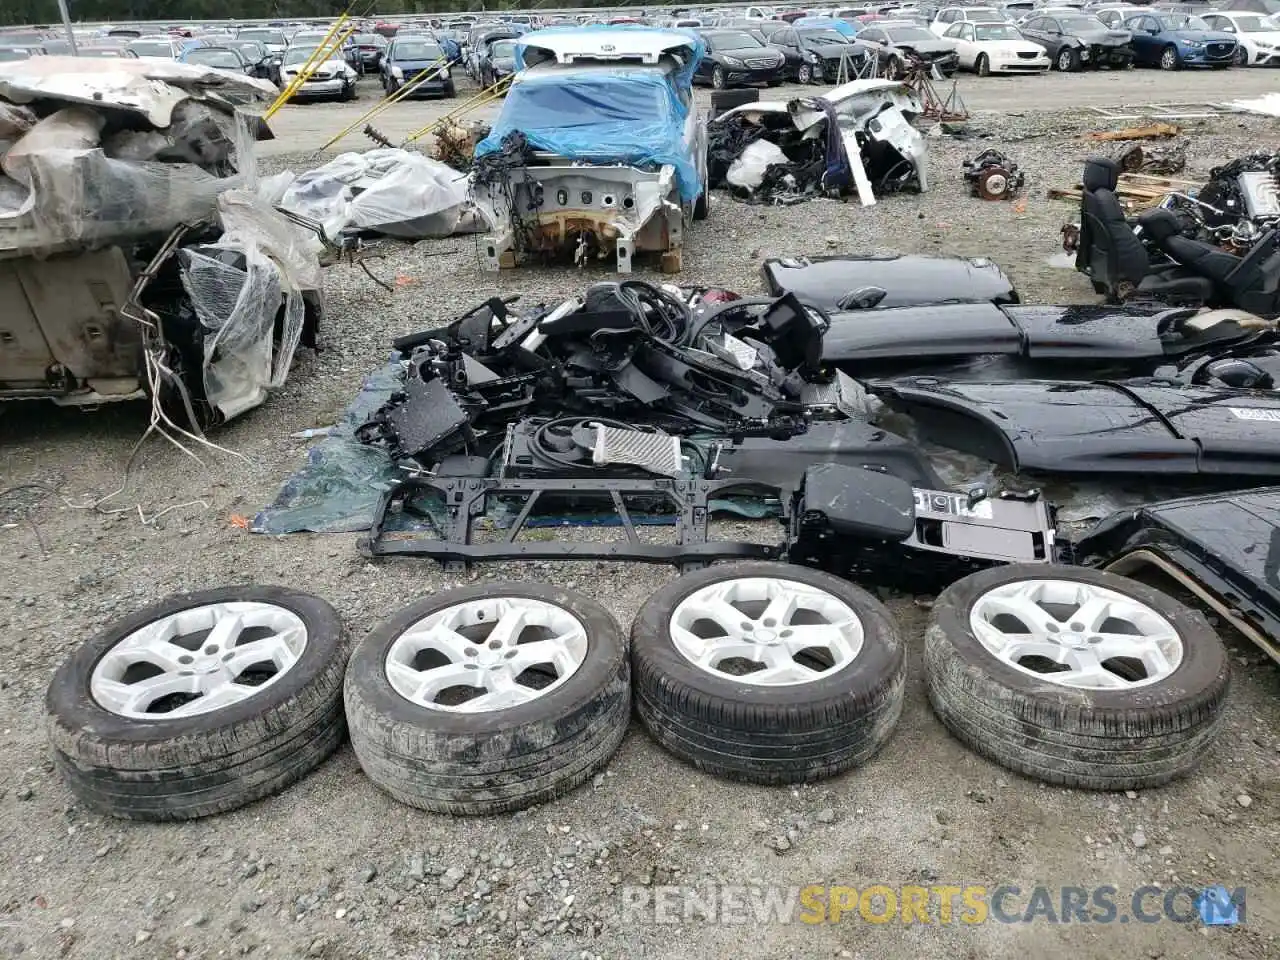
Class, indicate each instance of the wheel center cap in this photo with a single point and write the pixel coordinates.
(1074, 640)
(765, 636)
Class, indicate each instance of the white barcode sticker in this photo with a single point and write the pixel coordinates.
(1256, 413)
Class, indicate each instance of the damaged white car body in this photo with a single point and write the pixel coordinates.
(874, 116)
(598, 149)
(131, 262)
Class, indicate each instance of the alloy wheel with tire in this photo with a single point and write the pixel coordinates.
(895, 69)
(804, 74)
(718, 79)
(1169, 59)
(1075, 676)
(489, 699)
(767, 672)
(1067, 60)
(983, 66)
(1241, 56)
(200, 704)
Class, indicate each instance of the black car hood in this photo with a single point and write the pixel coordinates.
(1147, 427)
(747, 53)
(1130, 339)
(908, 280)
(833, 51)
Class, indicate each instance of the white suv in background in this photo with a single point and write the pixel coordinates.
(949, 15)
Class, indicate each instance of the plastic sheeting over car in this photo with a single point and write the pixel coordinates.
(601, 115)
(240, 286)
(89, 158)
(393, 192)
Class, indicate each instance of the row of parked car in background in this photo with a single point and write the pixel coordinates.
(752, 45)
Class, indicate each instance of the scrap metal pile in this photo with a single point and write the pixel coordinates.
(657, 399)
(856, 138)
(624, 353)
(132, 263)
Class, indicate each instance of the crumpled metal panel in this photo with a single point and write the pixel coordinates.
(149, 87)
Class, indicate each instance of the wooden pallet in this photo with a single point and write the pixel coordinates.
(1134, 190)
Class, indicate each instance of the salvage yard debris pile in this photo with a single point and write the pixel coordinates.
(135, 258)
(836, 403)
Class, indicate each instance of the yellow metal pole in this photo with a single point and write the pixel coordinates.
(314, 62)
(292, 85)
(392, 98)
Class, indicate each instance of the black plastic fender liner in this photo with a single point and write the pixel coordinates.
(1103, 739)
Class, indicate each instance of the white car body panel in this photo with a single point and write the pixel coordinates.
(856, 104)
(594, 46)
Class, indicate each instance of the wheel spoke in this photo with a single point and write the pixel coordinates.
(509, 627)
(226, 628)
(435, 681)
(1092, 613)
(272, 648)
(723, 614)
(441, 637)
(779, 610)
(540, 651)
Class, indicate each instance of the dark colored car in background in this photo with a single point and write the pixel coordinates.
(894, 46)
(815, 54)
(1077, 42)
(222, 58)
(265, 63)
(1172, 41)
(365, 52)
(497, 61)
(270, 37)
(406, 57)
(735, 58)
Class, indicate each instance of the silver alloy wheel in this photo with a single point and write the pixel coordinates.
(487, 654)
(804, 74)
(717, 78)
(1076, 634)
(1064, 60)
(766, 631)
(198, 660)
(1169, 59)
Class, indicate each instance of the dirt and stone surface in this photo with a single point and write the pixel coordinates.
(332, 868)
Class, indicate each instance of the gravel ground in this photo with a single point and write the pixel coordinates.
(333, 868)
